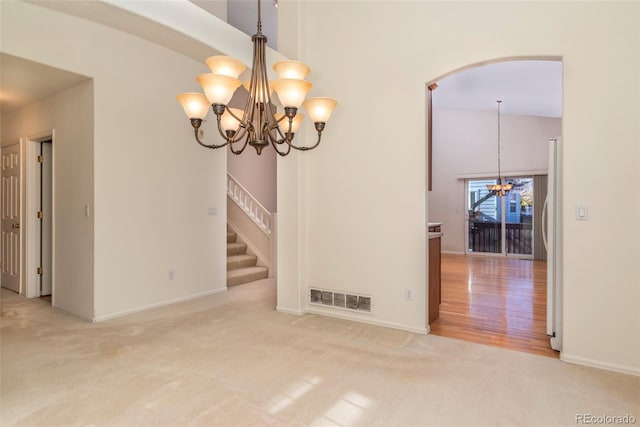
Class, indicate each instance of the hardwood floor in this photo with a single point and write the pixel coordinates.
(494, 301)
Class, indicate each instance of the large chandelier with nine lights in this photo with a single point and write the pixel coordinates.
(260, 124)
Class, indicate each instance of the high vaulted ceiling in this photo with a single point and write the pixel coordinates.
(525, 87)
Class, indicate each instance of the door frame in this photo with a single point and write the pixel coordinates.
(31, 204)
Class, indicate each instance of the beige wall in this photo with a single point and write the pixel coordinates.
(152, 183)
(360, 199)
(70, 114)
(465, 142)
(257, 174)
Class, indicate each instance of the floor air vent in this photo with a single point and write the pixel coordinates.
(342, 300)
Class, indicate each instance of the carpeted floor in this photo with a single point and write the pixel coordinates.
(231, 360)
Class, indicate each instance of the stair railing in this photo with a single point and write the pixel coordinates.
(253, 208)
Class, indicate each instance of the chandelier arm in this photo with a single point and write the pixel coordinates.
(274, 139)
(196, 129)
(306, 148)
(238, 133)
(231, 136)
(275, 147)
(208, 145)
(246, 141)
(279, 132)
(239, 119)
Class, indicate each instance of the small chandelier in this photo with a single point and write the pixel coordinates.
(260, 124)
(499, 189)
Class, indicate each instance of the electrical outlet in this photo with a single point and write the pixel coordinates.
(213, 211)
(172, 274)
(408, 294)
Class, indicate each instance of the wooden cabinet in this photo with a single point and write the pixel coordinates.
(434, 278)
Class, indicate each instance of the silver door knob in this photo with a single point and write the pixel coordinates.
(16, 225)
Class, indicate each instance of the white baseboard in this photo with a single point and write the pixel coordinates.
(367, 320)
(452, 252)
(289, 311)
(600, 365)
(156, 305)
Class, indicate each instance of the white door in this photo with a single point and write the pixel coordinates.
(11, 217)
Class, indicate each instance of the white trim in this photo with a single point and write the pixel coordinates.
(289, 311)
(453, 252)
(629, 370)
(505, 174)
(156, 305)
(249, 204)
(367, 320)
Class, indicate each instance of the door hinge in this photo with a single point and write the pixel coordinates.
(39, 271)
(40, 215)
(40, 159)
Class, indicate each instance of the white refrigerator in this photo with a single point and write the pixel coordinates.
(552, 237)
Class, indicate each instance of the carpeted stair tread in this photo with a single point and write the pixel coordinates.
(245, 275)
(236, 248)
(235, 262)
(231, 237)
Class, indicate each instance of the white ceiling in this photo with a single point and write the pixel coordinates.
(529, 88)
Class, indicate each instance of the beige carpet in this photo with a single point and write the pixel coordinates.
(231, 360)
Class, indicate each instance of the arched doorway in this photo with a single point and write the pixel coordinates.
(493, 289)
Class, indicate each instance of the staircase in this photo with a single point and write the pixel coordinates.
(241, 266)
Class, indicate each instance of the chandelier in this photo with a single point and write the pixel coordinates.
(499, 189)
(260, 124)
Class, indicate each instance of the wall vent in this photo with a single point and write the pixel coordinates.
(339, 299)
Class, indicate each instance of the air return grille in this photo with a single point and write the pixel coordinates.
(339, 299)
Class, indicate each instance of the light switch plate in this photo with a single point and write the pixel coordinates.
(582, 212)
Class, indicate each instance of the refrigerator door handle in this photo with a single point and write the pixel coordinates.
(544, 223)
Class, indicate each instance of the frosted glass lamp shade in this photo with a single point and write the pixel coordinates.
(284, 124)
(228, 122)
(218, 88)
(291, 70)
(225, 65)
(320, 109)
(259, 93)
(291, 92)
(196, 105)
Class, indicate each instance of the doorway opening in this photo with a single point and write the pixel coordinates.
(493, 265)
(251, 212)
(45, 217)
(39, 217)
